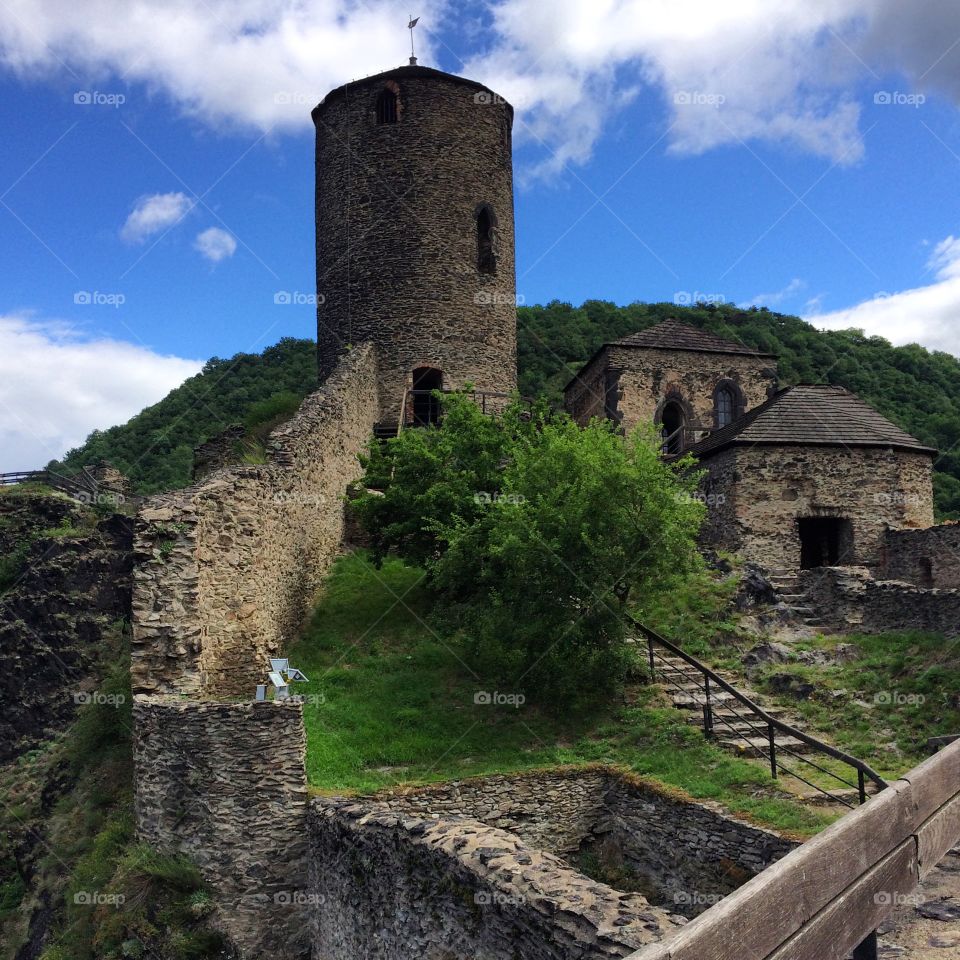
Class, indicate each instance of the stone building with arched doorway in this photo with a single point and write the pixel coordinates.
(804, 477)
(684, 380)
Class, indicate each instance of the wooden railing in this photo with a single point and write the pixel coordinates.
(763, 728)
(489, 401)
(82, 486)
(827, 897)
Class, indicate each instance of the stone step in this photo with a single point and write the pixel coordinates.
(815, 798)
(385, 429)
(778, 713)
(760, 746)
(688, 702)
(723, 725)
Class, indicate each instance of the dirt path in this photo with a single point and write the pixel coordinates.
(927, 926)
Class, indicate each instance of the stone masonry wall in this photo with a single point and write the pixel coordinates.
(767, 488)
(647, 377)
(227, 567)
(690, 855)
(388, 886)
(397, 252)
(851, 598)
(220, 451)
(927, 558)
(687, 853)
(551, 810)
(224, 784)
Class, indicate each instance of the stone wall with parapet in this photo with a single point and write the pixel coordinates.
(227, 567)
(686, 853)
(849, 598)
(390, 886)
(927, 558)
(225, 785)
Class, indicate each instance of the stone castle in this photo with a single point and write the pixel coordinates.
(416, 292)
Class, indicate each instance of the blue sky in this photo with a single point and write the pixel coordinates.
(806, 158)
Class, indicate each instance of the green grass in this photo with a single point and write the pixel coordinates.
(389, 701)
(882, 707)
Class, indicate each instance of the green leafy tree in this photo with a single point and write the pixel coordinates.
(537, 537)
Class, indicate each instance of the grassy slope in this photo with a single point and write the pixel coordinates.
(389, 701)
(882, 707)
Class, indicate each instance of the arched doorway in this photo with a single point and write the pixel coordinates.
(426, 407)
(673, 420)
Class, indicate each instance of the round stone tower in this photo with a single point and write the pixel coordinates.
(414, 207)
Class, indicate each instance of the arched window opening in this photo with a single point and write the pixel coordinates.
(426, 407)
(673, 422)
(724, 404)
(388, 105)
(486, 240)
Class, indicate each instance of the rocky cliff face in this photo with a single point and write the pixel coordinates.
(62, 591)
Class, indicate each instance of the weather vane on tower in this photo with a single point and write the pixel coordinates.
(413, 22)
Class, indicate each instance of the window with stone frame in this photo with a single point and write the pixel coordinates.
(727, 404)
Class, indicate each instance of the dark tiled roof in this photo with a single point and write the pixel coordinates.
(674, 335)
(811, 414)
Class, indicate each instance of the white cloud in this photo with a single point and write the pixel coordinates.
(56, 386)
(772, 299)
(928, 315)
(792, 72)
(215, 244)
(153, 213)
(263, 63)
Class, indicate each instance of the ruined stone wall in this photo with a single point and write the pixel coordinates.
(551, 810)
(220, 451)
(585, 396)
(687, 854)
(227, 567)
(58, 617)
(769, 487)
(225, 785)
(388, 886)
(396, 209)
(720, 488)
(647, 377)
(927, 558)
(850, 598)
(690, 855)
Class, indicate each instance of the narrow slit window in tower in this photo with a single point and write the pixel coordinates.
(387, 106)
(486, 257)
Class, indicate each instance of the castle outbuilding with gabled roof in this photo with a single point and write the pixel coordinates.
(795, 478)
(685, 380)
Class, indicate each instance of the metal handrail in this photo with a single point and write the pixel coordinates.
(711, 720)
(863, 769)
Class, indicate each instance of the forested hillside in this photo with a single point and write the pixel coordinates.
(155, 448)
(917, 389)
